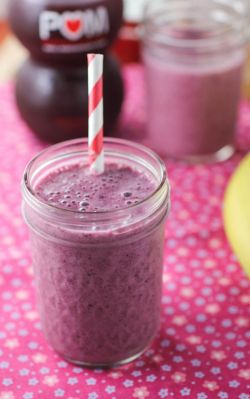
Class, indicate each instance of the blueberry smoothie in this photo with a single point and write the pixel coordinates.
(98, 253)
(193, 58)
(192, 108)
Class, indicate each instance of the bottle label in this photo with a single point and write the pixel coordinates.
(74, 30)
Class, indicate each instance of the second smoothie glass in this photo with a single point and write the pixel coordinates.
(193, 54)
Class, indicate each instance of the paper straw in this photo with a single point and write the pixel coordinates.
(95, 90)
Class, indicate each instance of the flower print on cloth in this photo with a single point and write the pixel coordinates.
(93, 395)
(211, 385)
(7, 382)
(116, 374)
(178, 377)
(203, 347)
(7, 395)
(59, 393)
(141, 393)
(28, 395)
(110, 389)
(11, 343)
(194, 339)
(50, 380)
(72, 381)
(91, 381)
(223, 395)
(128, 383)
(163, 393)
(202, 395)
(39, 358)
(218, 355)
(244, 374)
(185, 391)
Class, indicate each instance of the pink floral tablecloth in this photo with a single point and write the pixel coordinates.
(203, 348)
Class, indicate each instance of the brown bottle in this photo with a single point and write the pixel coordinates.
(51, 87)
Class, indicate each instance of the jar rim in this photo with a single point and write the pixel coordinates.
(30, 195)
(211, 25)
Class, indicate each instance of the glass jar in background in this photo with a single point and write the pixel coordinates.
(193, 52)
(98, 274)
(246, 76)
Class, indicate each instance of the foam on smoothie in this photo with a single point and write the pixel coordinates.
(74, 188)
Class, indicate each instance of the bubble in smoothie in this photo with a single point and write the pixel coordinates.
(76, 189)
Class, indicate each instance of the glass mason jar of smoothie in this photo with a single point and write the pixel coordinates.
(97, 244)
(193, 53)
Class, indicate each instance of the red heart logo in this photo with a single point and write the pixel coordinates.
(74, 25)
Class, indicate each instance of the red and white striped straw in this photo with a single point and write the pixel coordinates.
(95, 90)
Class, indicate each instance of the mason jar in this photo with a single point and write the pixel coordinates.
(98, 274)
(193, 53)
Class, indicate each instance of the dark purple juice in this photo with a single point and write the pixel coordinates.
(99, 291)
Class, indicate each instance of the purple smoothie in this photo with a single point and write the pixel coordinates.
(192, 109)
(99, 291)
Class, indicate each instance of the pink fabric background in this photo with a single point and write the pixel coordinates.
(203, 348)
